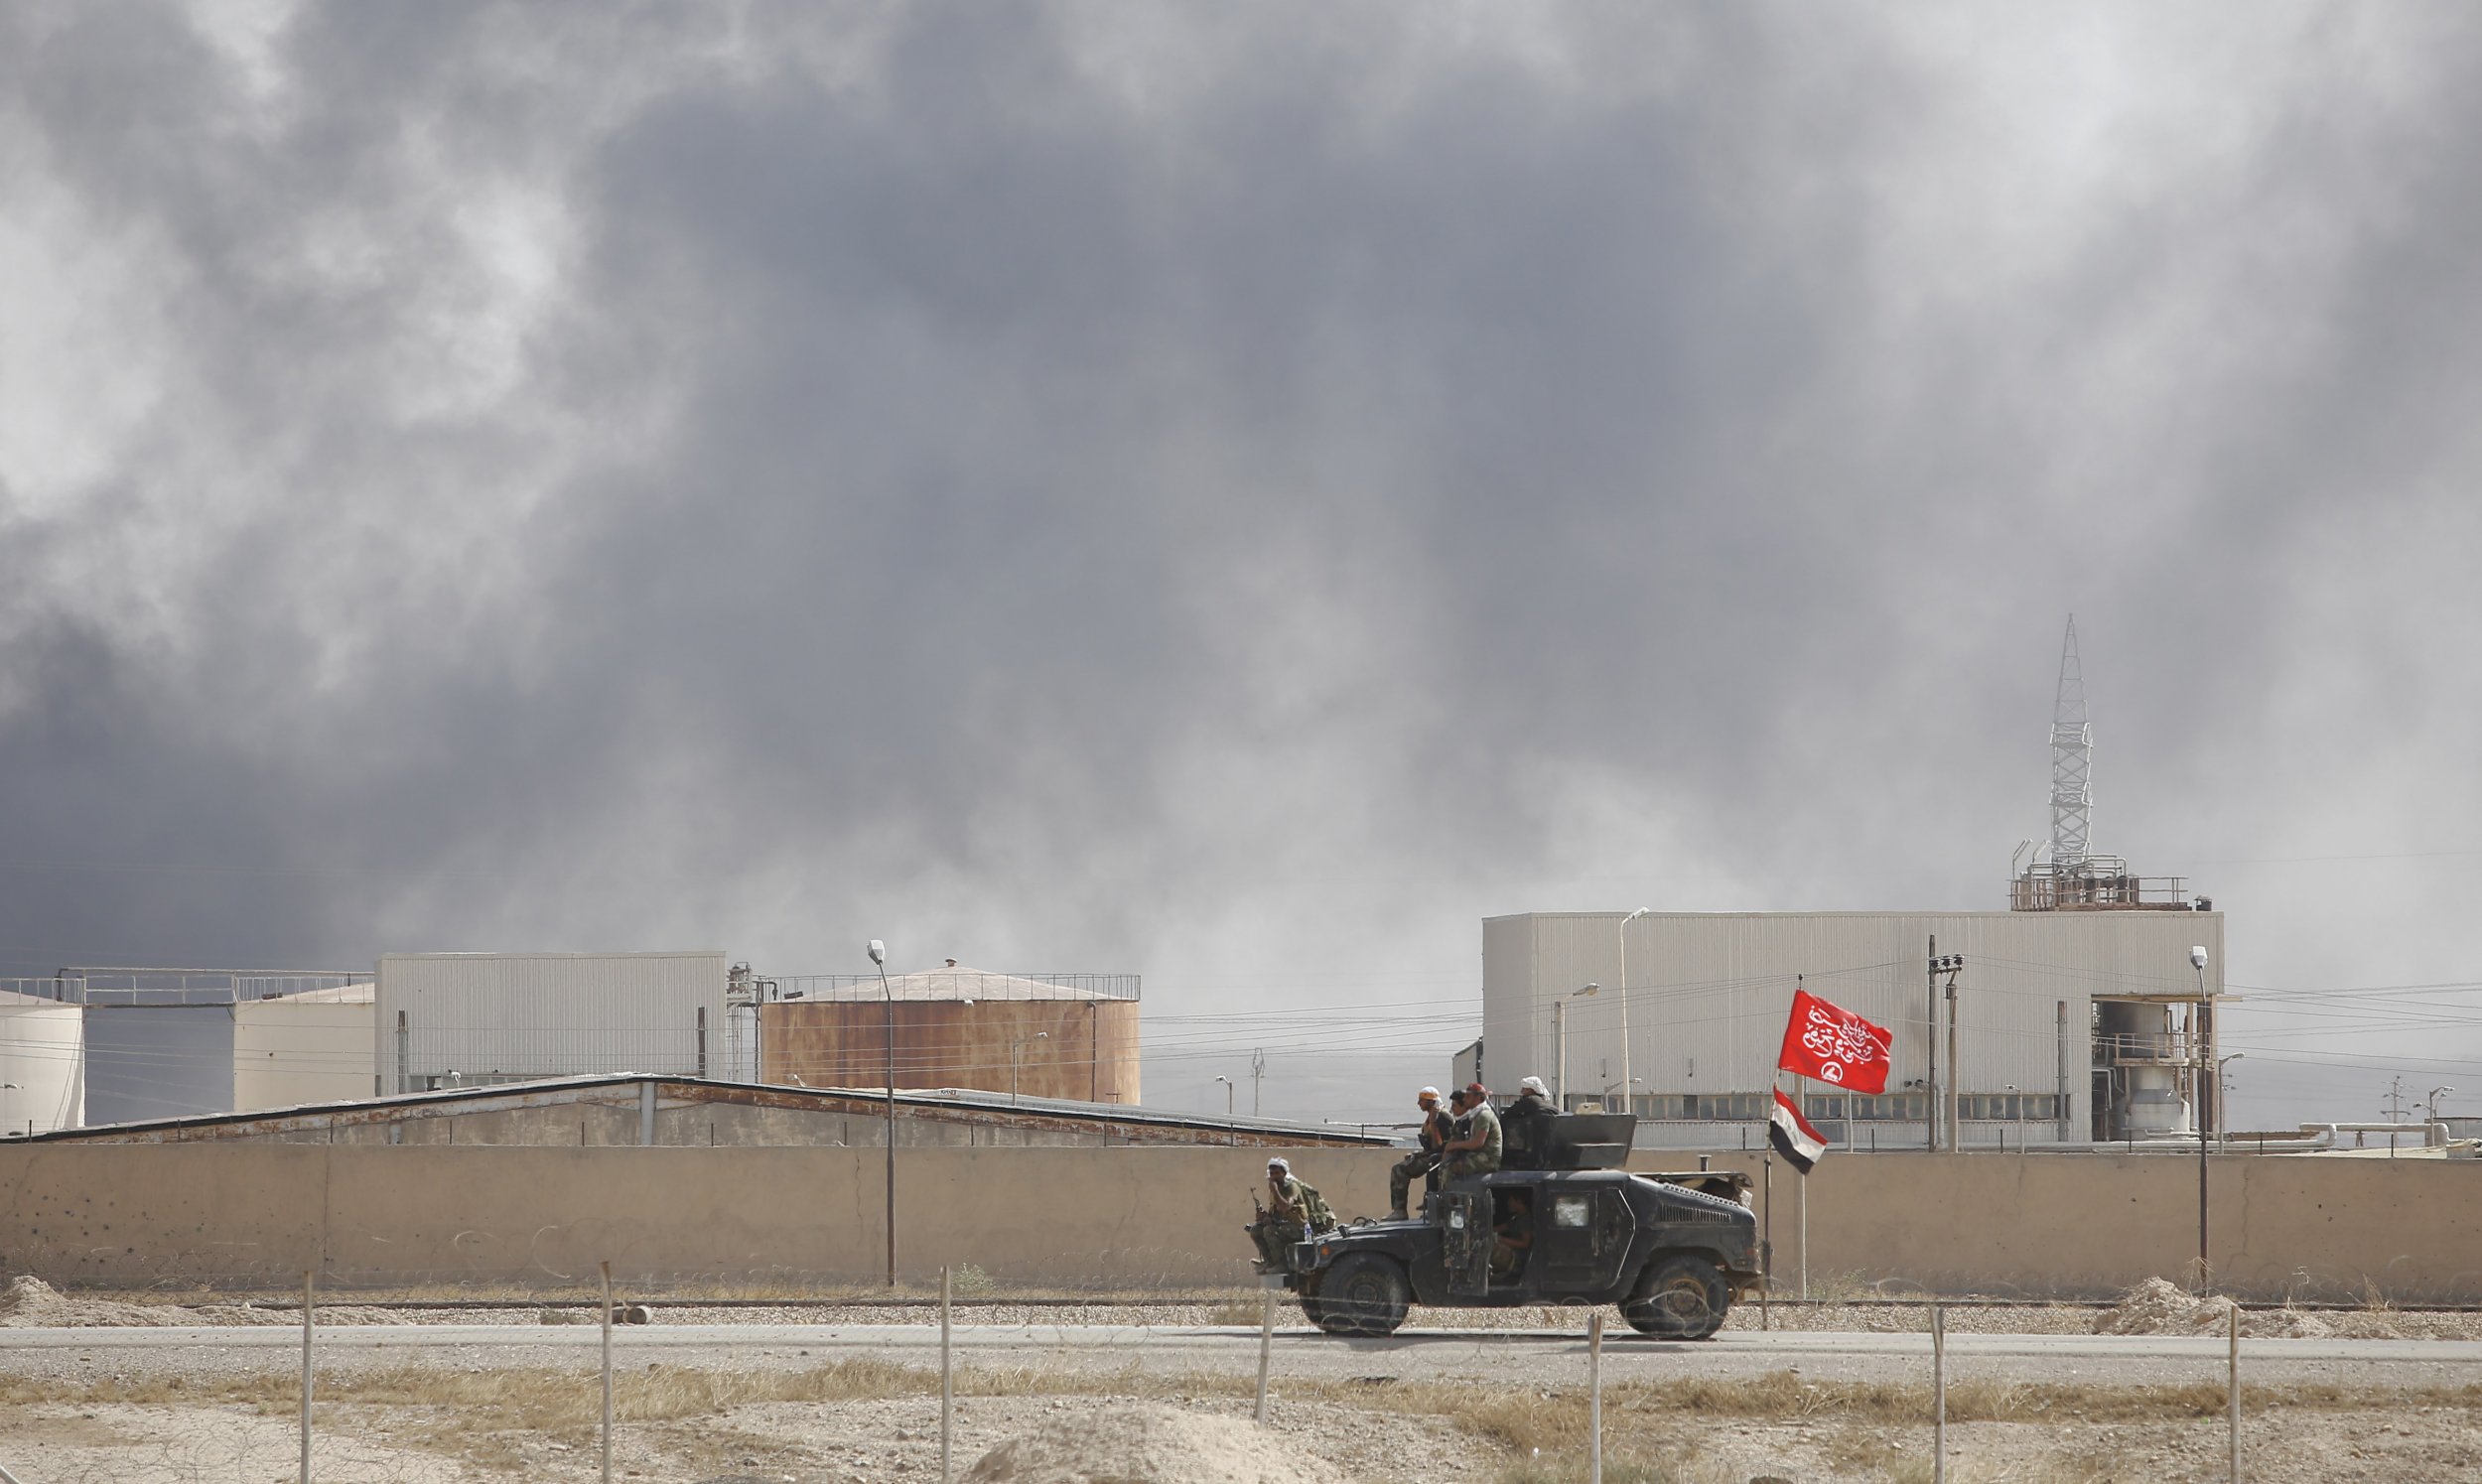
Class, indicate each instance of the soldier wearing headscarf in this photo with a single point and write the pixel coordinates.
(1295, 1212)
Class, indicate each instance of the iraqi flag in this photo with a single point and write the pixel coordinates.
(1792, 1136)
(1835, 1045)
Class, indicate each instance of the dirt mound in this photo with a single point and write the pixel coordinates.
(30, 1304)
(2159, 1307)
(1150, 1444)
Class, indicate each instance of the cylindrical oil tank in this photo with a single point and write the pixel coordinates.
(43, 1058)
(959, 1027)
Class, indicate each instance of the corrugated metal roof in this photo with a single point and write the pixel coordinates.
(968, 1104)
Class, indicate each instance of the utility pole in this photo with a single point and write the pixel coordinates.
(1951, 965)
(2396, 1106)
(1930, 1084)
(1258, 1072)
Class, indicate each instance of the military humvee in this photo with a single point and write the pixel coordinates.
(1672, 1251)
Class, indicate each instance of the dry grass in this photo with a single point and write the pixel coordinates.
(1865, 1430)
(1521, 1422)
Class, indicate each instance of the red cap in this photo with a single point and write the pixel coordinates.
(1476, 1090)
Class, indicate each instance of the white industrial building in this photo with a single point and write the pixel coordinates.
(2076, 1024)
(475, 1019)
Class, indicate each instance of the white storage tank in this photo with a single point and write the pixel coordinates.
(310, 1047)
(42, 1064)
(485, 1018)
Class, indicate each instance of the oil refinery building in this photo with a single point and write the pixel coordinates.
(2071, 1026)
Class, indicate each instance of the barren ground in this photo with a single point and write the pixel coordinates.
(488, 1414)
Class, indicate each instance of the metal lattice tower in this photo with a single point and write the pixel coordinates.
(2072, 763)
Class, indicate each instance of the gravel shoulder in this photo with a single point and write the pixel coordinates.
(756, 1408)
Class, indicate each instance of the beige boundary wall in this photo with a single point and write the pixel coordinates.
(241, 1215)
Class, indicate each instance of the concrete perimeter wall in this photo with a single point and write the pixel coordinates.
(246, 1215)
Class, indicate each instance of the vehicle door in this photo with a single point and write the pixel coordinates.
(1581, 1237)
(1465, 1241)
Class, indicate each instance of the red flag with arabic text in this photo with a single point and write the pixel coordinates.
(1835, 1045)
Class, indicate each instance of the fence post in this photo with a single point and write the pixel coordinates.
(1939, 1394)
(1594, 1389)
(1266, 1346)
(947, 1379)
(607, 1373)
(2235, 1390)
(307, 1281)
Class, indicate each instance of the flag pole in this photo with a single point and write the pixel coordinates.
(1767, 1234)
(1801, 1207)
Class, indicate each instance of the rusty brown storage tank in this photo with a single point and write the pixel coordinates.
(1067, 1036)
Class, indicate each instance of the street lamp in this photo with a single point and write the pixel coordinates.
(2198, 1096)
(1560, 1043)
(2434, 1110)
(1625, 1079)
(887, 1003)
(1623, 1087)
(1227, 1082)
(1013, 1046)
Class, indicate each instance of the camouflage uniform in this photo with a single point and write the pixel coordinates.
(1481, 1161)
(1436, 1130)
(1299, 1212)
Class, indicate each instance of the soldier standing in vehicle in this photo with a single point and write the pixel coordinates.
(1425, 1161)
(1476, 1151)
(1295, 1211)
(1527, 1125)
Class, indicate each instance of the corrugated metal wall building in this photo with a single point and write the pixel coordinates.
(484, 1018)
(1707, 995)
(1068, 1036)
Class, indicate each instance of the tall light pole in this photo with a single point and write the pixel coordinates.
(2433, 1105)
(888, 1004)
(1227, 1082)
(2198, 1094)
(1560, 1043)
(1013, 1047)
(1626, 1081)
(1622, 1087)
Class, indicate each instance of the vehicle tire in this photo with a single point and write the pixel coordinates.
(1681, 1298)
(1363, 1293)
(1305, 1290)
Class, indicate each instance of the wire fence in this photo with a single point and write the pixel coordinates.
(603, 1399)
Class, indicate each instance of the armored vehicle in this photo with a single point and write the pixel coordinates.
(1672, 1251)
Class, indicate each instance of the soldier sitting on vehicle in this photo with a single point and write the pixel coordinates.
(1527, 1125)
(1513, 1236)
(1295, 1213)
(1475, 1150)
(1424, 1161)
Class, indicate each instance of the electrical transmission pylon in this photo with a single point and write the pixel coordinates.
(2072, 764)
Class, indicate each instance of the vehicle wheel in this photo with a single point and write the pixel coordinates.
(1305, 1290)
(1681, 1298)
(1363, 1293)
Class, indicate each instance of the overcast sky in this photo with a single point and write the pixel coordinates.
(1239, 494)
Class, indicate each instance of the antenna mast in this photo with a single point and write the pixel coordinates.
(2072, 764)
